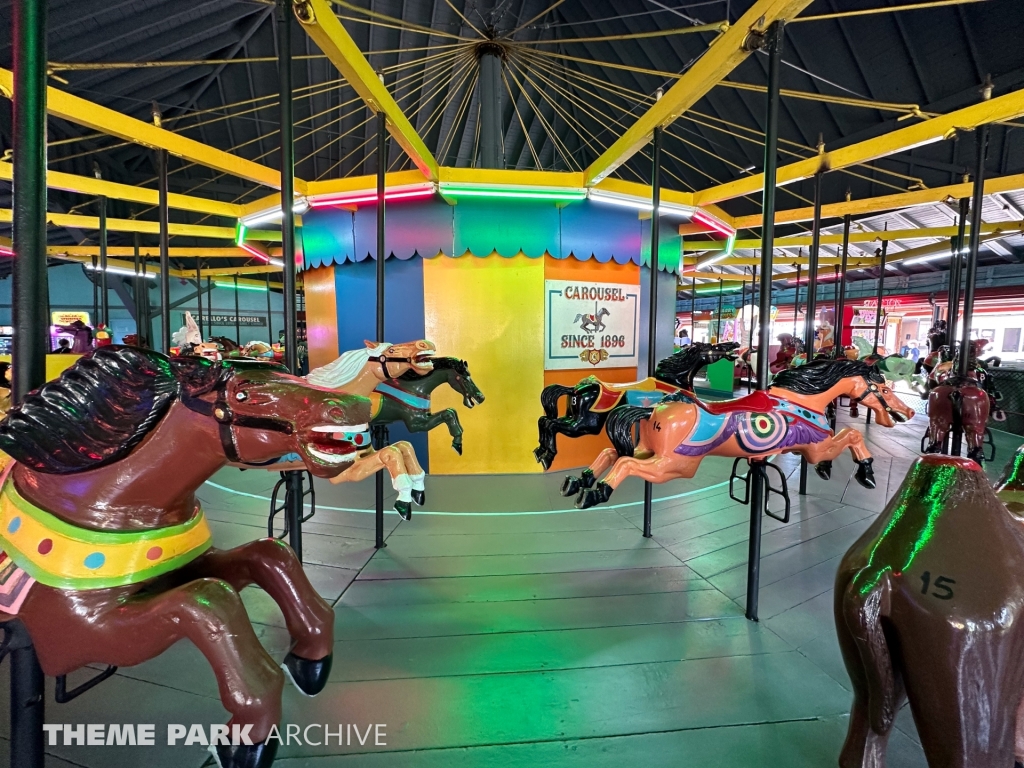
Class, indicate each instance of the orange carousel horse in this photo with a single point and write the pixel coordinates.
(788, 417)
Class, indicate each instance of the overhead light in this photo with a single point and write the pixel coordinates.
(932, 257)
(6, 250)
(240, 286)
(405, 192)
(803, 280)
(709, 262)
(558, 194)
(713, 222)
(640, 203)
(272, 215)
(120, 271)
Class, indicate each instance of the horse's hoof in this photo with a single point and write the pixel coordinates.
(458, 448)
(419, 497)
(245, 755)
(587, 479)
(404, 509)
(865, 474)
(824, 470)
(309, 677)
(591, 497)
(570, 486)
(544, 458)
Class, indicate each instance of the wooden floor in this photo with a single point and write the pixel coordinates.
(500, 628)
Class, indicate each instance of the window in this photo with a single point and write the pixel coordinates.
(1011, 340)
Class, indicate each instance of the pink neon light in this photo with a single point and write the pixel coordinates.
(370, 198)
(709, 221)
(5, 251)
(803, 280)
(252, 251)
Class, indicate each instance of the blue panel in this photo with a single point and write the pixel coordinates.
(327, 237)
(483, 226)
(356, 291)
(411, 227)
(601, 231)
(667, 283)
(669, 241)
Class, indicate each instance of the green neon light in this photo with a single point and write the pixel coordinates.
(729, 244)
(240, 286)
(240, 230)
(525, 194)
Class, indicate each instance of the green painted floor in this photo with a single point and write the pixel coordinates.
(487, 639)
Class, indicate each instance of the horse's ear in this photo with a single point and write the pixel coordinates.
(369, 344)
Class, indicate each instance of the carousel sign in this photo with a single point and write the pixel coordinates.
(590, 325)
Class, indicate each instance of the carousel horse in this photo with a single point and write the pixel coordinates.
(895, 368)
(82, 334)
(929, 606)
(866, 350)
(826, 336)
(107, 552)
(359, 372)
(407, 398)
(188, 340)
(788, 417)
(591, 400)
(790, 347)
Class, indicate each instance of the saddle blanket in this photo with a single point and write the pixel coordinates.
(14, 585)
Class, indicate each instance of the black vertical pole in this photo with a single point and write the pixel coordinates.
(165, 257)
(137, 287)
(878, 308)
(199, 298)
(652, 318)
(750, 331)
(718, 331)
(956, 273)
(293, 478)
(756, 474)
(30, 294)
(95, 292)
(147, 310)
(796, 298)
(238, 322)
(811, 310)
(841, 287)
(270, 316)
(382, 167)
(971, 271)
(104, 286)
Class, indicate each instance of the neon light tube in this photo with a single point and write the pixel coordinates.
(271, 215)
(712, 222)
(5, 251)
(120, 271)
(355, 198)
(515, 194)
(803, 280)
(640, 204)
(240, 286)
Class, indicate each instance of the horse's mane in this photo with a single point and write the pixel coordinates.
(343, 370)
(440, 363)
(679, 363)
(101, 407)
(821, 375)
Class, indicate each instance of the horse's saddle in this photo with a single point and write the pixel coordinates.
(758, 401)
(645, 393)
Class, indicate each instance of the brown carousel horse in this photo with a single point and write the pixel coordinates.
(360, 372)
(788, 417)
(929, 606)
(107, 555)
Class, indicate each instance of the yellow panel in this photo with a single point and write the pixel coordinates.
(491, 313)
(321, 316)
(56, 364)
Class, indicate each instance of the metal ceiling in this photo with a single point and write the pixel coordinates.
(564, 102)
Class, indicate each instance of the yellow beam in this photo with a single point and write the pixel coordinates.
(644, 191)
(187, 274)
(87, 185)
(256, 269)
(98, 118)
(319, 21)
(149, 251)
(145, 227)
(890, 235)
(567, 179)
(886, 202)
(725, 54)
(1007, 107)
(934, 248)
(777, 262)
(350, 184)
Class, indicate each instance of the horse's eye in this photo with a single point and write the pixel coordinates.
(241, 396)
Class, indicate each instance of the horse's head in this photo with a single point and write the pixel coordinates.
(264, 412)
(395, 359)
(460, 380)
(725, 349)
(875, 392)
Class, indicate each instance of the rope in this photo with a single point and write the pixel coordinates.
(399, 23)
(872, 11)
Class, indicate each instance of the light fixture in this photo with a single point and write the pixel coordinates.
(640, 203)
(271, 215)
(240, 286)
(713, 222)
(406, 192)
(709, 262)
(557, 194)
(6, 250)
(932, 257)
(119, 271)
(803, 280)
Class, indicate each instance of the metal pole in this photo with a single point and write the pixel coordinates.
(270, 315)
(750, 331)
(841, 287)
(104, 287)
(796, 299)
(956, 273)
(489, 92)
(165, 258)
(878, 308)
(95, 291)
(30, 307)
(811, 310)
(137, 288)
(718, 332)
(382, 165)
(238, 323)
(146, 314)
(756, 476)
(199, 297)
(652, 317)
(294, 478)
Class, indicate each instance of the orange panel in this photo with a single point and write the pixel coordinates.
(581, 451)
(321, 316)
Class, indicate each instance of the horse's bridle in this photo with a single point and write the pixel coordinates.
(221, 412)
(384, 360)
(874, 390)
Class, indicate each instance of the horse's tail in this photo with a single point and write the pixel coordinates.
(549, 397)
(861, 617)
(621, 427)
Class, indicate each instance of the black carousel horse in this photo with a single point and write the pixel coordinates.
(407, 398)
(591, 399)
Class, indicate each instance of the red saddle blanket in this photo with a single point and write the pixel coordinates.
(759, 401)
